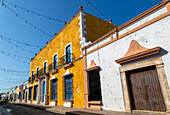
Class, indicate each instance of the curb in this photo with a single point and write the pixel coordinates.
(56, 111)
(27, 105)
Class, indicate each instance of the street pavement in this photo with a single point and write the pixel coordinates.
(32, 109)
(11, 109)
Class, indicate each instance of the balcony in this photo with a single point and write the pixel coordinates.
(42, 72)
(32, 79)
(66, 60)
(53, 68)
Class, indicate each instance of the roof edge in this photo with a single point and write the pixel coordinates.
(74, 16)
(130, 22)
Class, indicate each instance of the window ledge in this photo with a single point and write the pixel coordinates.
(68, 100)
(95, 105)
(53, 71)
(54, 100)
(66, 65)
(95, 102)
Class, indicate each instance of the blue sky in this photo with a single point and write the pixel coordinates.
(12, 26)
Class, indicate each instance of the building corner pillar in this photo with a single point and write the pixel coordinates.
(39, 91)
(85, 80)
(46, 90)
(125, 92)
(164, 85)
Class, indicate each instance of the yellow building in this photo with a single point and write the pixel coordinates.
(56, 72)
(16, 97)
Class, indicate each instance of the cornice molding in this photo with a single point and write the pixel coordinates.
(92, 66)
(136, 51)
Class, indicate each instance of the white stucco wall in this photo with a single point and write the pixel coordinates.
(156, 34)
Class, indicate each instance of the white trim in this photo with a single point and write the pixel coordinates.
(67, 73)
(42, 84)
(57, 56)
(46, 67)
(65, 49)
(38, 71)
(31, 72)
(82, 26)
(53, 77)
(35, 84)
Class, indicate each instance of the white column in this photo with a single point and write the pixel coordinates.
(125, 92)
(39, 91)
(46, 90)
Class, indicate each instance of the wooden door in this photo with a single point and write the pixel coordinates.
(145, 90)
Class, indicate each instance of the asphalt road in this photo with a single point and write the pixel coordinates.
(11, 109)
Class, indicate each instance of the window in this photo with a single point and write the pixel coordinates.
(19, 95)
(37, 72)
(35, 92)
(32, 75)
(30, 93)
(45, 67)
(23, 93)
(68, 54)
(55, 61)
(54, 89)
(68, 87)
(94, 86)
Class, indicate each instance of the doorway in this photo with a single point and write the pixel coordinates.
(144, 89)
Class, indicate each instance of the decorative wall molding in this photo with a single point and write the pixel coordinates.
(136, 51)
(92, 66)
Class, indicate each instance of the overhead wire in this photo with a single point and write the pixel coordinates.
(27, 22)
(19, 42)
(17, 46)
(96, 10)
(51, 18)
(13, 71)
(38, 14)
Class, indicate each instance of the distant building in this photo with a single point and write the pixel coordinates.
(16, 99)
(25, 91)
(21, 93)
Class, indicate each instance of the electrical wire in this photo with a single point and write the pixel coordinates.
(38, 14)
(17, 46)
(13, 71)
(96, 10)
(19, 42)
(51, 18)
(27, 22)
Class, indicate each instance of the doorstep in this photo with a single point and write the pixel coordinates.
(149, 112)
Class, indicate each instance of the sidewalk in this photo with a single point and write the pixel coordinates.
(79, 111)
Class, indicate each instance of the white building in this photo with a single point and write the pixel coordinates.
(25, 92)
(128, 69)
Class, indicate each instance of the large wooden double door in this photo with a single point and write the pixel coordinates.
(145, 90)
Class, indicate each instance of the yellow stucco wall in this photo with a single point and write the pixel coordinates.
(69, 34)
(96, 27)
(17, 90)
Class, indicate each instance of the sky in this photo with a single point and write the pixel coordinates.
(12, 26)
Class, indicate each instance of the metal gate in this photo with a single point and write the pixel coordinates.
(145, 90)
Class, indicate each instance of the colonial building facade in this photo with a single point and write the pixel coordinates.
(127, 69)
(56, 72)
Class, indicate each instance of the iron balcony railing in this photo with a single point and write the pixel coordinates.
(66, 59)
(29, 79)
(42, 71)
(53, 65)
